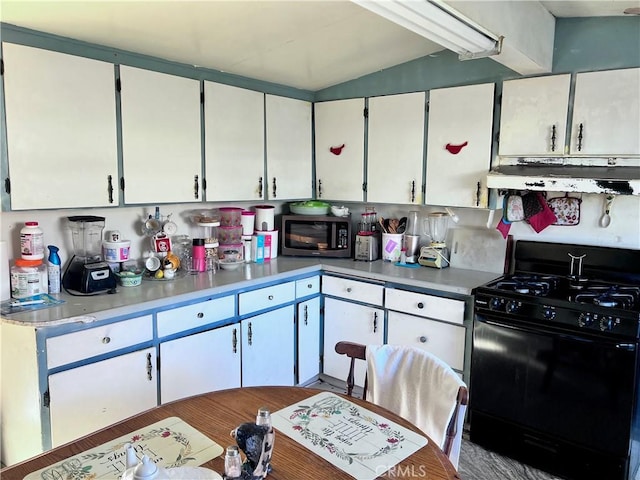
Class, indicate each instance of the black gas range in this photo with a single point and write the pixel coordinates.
(555, 360)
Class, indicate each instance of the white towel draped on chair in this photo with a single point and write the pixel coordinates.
(417, 386)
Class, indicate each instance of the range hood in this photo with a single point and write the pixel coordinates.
(613, 180)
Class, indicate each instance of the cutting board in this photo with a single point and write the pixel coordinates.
(478, 249)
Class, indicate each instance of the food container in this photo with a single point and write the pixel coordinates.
(231, 252)
(129, 278)
(116, 251)
(230, 235)
(310, 207)
(230, 216)
(264, 217)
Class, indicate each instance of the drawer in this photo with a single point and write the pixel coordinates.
(88, 343)
(353, 290)
(443, 340)
(268, 297)
(425, 305)
(196, 315)
(307, 286)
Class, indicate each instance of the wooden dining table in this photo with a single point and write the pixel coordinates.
(215, 414)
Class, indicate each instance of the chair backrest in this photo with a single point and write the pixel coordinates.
(453, 434)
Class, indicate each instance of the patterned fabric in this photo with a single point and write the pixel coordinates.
(566, 210)
(514, 209)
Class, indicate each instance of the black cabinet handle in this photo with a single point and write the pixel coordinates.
(250, 335)
(420, 305)
(553, 138)
(580, 129)
(306, 315)
(375, 322)
(260, 187)
(478, 195)
(110, 188)
(234, 340)
(413, 191)
(319, 188)
(149, 367)
(274, 187)
(196, 187)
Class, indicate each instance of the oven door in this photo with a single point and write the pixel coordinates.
(577, 388)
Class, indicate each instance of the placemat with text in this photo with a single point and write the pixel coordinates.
(170, 443)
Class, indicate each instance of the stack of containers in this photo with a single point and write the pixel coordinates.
(265, 242)
(29, 273)
(230, 232)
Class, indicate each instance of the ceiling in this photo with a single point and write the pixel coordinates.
(305, 44)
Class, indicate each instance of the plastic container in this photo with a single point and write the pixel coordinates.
(28, 277)
(116, 251)
(230, 235)
(391, 246)
(248, 222)
(264, 217)
(31, 242)
(53, 269)
(129, 278)
(230, 216)
(199, 255)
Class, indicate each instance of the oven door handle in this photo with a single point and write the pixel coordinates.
(630, 347)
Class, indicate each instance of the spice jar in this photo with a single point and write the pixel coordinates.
(232, 463)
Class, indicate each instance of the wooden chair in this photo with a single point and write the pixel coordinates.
(453, 437)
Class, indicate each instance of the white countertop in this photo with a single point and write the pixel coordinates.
(156, 294)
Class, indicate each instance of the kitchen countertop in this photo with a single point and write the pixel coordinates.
(156, 294)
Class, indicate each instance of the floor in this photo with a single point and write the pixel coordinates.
(475, 463)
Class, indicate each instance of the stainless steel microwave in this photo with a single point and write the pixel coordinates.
(316, 236)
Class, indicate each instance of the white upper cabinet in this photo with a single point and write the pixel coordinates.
(533, 116)
(396, 148)
(606, 113)
(339, 129)
(161, 149)
(234, 143)
(61, 129)
(459, 145)
(289, 148)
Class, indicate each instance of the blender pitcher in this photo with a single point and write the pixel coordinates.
(86, 235)
(436, 225)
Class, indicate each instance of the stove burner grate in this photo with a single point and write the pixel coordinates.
(624, 297)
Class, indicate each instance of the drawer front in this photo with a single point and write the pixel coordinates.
(307, 286)
(444, 340)
(267, 297)
(425, 305)
(77, 346)
(192, 316)
(353, 290)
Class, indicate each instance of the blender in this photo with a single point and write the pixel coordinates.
(436, 254)
(87, 273)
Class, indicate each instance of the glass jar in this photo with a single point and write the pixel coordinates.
(232, 463)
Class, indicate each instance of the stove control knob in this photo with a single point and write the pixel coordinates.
(549, 313)
(513, 306)
(496, 304)
(585, 320)
(607, 323)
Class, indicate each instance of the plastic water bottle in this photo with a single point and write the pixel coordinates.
(53, 264)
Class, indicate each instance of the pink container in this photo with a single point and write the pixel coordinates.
(230, 235)
(230, 216)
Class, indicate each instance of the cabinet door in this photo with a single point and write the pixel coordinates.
(353, 323)
(395, 148)
(200, 363)
(161, 150)
(234, 143)
(308, 340)
(339, 128)
(459, 145)
(61, 129)
(289, 148)
(533, 115)
(606, 113)
(444, 340)
(90, 397)
(268, 348)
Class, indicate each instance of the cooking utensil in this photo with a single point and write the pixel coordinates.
(381, 222)
(605, 220)
(402, 225)
(393, 225)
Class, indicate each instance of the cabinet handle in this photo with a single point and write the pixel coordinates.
(306, 314)
(110, 188)
(260, 187)
(274, 187)
(478, 194)
(250, 335)
(553, 138)
(270, 297)
(200, 315)
(234, 340)
(413, 191)
(319, 188)
(375, 322)
(420, 305)
(348, 289)
(580, 128)
(309, 285)
(149, 367)
(196, 187)
(106, 340)
(423, 339)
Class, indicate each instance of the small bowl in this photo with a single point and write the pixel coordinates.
(129, 278)
(229, 264)
(339, 211)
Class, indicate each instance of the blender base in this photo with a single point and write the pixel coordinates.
(93, 278)
(436, 257)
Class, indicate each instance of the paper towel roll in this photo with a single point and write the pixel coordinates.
(5, 269)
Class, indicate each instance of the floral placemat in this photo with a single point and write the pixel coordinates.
(170, 443)
(354, 439)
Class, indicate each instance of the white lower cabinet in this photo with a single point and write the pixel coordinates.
(268, 348)
(346, 321)
(308, 340)
(90, 397)
(200, 363)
